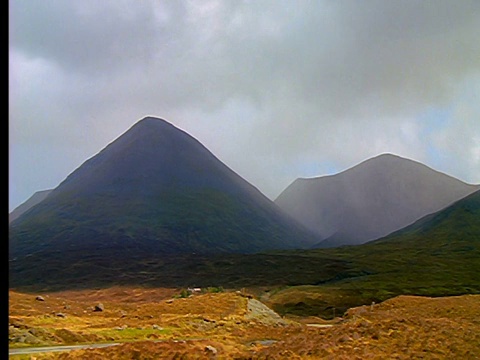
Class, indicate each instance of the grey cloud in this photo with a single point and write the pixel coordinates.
(89, 36)
(287, 82)
(314, 50)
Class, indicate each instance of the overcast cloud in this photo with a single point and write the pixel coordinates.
(275, 89)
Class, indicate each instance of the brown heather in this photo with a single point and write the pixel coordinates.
(152, 324)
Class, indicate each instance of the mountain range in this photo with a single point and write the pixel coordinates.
(155, 189)
(156, 207)
(370, 200)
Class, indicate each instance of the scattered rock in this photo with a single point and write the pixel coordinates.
(156, 327)
(357, 311)
(62, 315)
(68, 336)
(40, 298)
(17, 323)
(169, 301)
(263, 342)
(123, 327)
(25, 338)
(344, 338)
(99, 307)
(259, 312)
(211, 350)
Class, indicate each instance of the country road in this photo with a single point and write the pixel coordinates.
(320, 325)
(40, 349)
(33, 350)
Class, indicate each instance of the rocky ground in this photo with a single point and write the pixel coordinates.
(158, 323)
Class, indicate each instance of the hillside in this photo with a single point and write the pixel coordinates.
(370, 200)
(155, 190)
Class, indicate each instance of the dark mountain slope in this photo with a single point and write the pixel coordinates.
(155, 189)
(31, 201)
(370, 200)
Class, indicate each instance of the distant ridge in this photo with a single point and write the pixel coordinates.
(154, 190)
(29, 203)
(370, 200)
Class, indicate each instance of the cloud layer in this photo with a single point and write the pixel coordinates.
(276, 89)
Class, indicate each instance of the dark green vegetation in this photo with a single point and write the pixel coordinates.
(155, 190)
(437, 256)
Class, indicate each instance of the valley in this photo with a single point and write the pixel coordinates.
(157, 247)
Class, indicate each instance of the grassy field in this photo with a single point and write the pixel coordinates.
(158, 323)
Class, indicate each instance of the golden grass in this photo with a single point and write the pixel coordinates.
(405, 327)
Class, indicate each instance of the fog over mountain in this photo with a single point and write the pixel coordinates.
(371, 199)
(455, 226)
(155, 189)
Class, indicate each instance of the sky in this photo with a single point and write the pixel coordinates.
(276, 89)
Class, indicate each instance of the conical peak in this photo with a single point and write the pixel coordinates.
(150, 122)
(154, 128)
